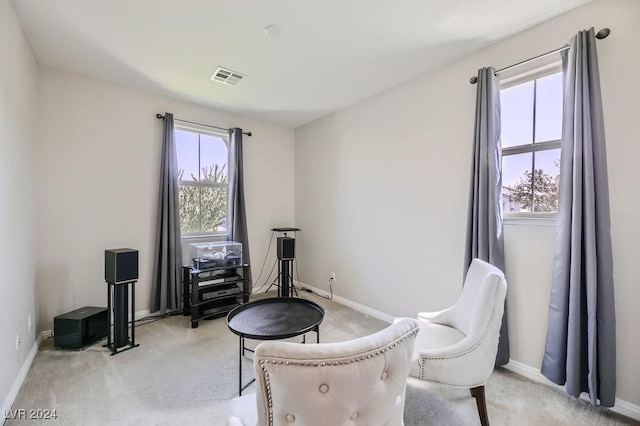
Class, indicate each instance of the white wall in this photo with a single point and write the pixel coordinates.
(98, 161)
(381, 191)
(18, 79)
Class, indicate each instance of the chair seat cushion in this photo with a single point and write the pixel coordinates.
(242, 411)
(432, 336)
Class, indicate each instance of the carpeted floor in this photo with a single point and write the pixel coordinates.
(181, 375)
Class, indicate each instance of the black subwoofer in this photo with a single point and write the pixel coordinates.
(80, 328)
(120, 265)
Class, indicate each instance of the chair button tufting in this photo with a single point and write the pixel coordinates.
(324, 388)
(354, 416)
(291, 418)
(384, 375)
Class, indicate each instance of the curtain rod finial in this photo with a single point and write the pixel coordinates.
(473, 80)
(603, 33)
(160, 116)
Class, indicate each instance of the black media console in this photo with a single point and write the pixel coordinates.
(214, 292)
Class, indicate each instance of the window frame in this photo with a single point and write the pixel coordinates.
(200, 130)
(542, 218)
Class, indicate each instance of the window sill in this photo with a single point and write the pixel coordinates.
(530, 220)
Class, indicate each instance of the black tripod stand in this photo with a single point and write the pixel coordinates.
(285, 272)
(280, 280)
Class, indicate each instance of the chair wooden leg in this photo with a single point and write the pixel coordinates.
(478, 394)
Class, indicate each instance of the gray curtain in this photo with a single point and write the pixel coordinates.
(166, 286)
(580, 350)
(237, 219)
(484, 218)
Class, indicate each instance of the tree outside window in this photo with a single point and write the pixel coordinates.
(203, 182)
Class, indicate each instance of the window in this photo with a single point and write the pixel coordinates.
(531, 116)
(203, 160)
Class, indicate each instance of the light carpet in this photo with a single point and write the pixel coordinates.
(181, 375)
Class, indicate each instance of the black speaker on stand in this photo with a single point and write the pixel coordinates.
(286, 253)
(121, 274)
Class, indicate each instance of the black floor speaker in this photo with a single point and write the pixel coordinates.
(80, 328)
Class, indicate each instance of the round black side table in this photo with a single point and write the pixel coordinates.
(272, 319)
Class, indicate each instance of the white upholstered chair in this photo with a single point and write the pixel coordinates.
(361, 381)
(458, 346)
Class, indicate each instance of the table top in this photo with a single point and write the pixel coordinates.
(275, 318)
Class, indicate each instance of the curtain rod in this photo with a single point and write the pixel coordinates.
(603, 33)
(161, 117)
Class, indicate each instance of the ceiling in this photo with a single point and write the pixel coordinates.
(331, 53)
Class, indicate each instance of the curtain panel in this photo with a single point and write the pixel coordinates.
(484, 217)
(237, 218)
(580, 350)
(166, 285)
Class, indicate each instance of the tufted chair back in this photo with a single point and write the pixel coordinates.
(361, 381)
(481, 302)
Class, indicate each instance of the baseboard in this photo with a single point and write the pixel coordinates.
(42, 336)
(530, 373)
(350, 303)
(621, 407)
(141, 314)
(17, 383)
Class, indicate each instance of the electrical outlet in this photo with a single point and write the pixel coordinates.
(29, 322)
(333, 277)
(17, 340)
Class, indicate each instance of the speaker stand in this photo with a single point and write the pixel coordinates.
(117, 301)
(285, 274)
(286, 288)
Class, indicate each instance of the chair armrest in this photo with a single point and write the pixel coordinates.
(234, 421)
(242, 411)
(444, 317)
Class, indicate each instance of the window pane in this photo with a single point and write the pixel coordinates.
(213, 208)
(547, 180)
(202, 209)
(187, 150)
(549, 108)
(213, 159)
(516, 183)
(189, 209)
(517, 114)
(202, 158)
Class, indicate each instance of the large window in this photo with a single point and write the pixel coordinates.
(203, 160)
(531, 130)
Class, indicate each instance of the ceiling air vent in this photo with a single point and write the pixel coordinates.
(225, 76)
